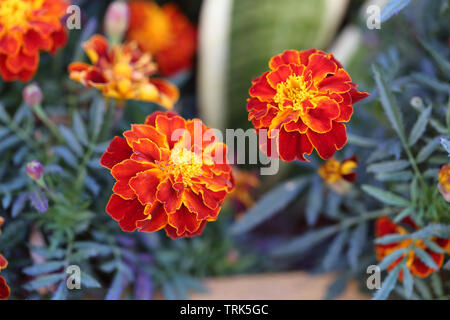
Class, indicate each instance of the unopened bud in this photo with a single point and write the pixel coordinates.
(35, 170)
(416, 102)
(116, 20)
(32, 94)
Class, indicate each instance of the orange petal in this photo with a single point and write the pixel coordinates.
(123, 172)
(141, 131)
(320, 118)
(183, 220)
(3, 262)
(339, 82)
(320, 66)
(156, 219)
(262, 89)
(195, 204)
(279, 75)
(167, 126)
(287, 57)
(147, 150)
(169, 93)
(172, 232)
(170, 197)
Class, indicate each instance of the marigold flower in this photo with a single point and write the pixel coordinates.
(385, 226)
(122, 72)
(4, 289)
(26, 28)
(170, 175)
(444, 182)
(165, 32)
(245, 182)
(303, 103)
(339, 175)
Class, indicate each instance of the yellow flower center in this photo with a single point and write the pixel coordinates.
(294, 90)
(184, 163)
(17, 12)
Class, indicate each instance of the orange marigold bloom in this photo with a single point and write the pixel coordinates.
(26, 28)
(303, 103)
(385, 226)
(4, 289)
(122, 72)
(339, 175)
(169, 175)
(444, 182)
(165, 32)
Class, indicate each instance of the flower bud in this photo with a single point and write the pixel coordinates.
(35, 170)
(116, 20)
(32, 94)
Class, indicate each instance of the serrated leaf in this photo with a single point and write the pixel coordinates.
(388, 166)
(334, 251)
(441, 61)
(403, 214)
(46, 267)
(408, 281)
(96, 117)
(356, 244)
(270, 204)
(388, 284)
(425, 257)
(71, 140)
(420, 126)
(395, 176)
(392, 8)
(389, 102)
(386, 196)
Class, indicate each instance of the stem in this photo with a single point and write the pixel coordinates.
(37, 109)
(368, 216)
(22, 135)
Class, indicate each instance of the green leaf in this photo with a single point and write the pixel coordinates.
(45, 267)
(44, 281)
(96, 114)
(408, 281)
(79, 128)
(388, 166)
(441, 61)
(361, 141)
(334, 251)
(89, 281)
(270, 204)
(395, 176)
(301, 244)
(436, 284)
(423, 289)
(4, 116)
(419, 127)
(71, 141)
(386, 196)
(388, 284)
(425, 257)
(66, 155)
(61, 292)
(389, 102)
(403, 214)
(447, 265)
(434, 246)
(356, 244)
(314, 202)
(389, 259)
(9, 142)
(393, 7)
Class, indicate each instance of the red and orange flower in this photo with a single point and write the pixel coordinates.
(28, 27)
(171, 174)
(123, 72)
(385, 226)
(303, 103)
(444, 182)
(241, 197)
(4, 289)
(339, 175)
(165, 32)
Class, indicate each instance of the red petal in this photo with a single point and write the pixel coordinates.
(195, 204)
(151, 119)
(3, 262)
(170, 197)
(262, 89)
(156, 219)
(320, 118)
(172, 232)
(4, 289)
(141, 131)
(326, 144)
(287, 57)
(339, 82)
(123, 172)
(358, 95)
(9, 44)
(320, 66)
(183, 220)
(127, 212)
(147, 150)
(279, 75)
(293, 145)
(144, 185)
(117, 151)
(167, 126)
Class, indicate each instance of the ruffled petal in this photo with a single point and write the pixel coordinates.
(326, 144)
(117, 151)
(126, 212)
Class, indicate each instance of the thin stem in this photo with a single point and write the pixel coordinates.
(37, 109)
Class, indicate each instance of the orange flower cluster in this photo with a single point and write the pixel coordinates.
(170, 175)
(165, 32)
(28, 27)
(444, 182)
(303, 103)
(122, 72)
(385, 226)
(4, 289)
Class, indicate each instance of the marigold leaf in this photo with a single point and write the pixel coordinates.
(389, 259)
(388, 284)
(426, 258)
(46, 267)
(71, 140)
(386, 196)
(419, 127)
(334, 251)
(408, 282)
(89, 281)
(356, 244)
(270, 204)
(44, 281)
(392, 8)
(388, 166)
(79, 128)
(314, 202)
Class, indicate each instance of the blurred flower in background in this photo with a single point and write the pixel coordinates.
(241, 197)
(178, 185)
(303, 102)
(35, 170)
(4, 289)
(165, 32)
(444, 182)
(123, 72)
(385, 226)
(32, 95)
(26, 28)
(339, 175)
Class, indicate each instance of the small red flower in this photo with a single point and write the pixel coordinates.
(26, 28)
(165, 32)
(385, 226)
(303, 103)
(4, 289)
(170, 175)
